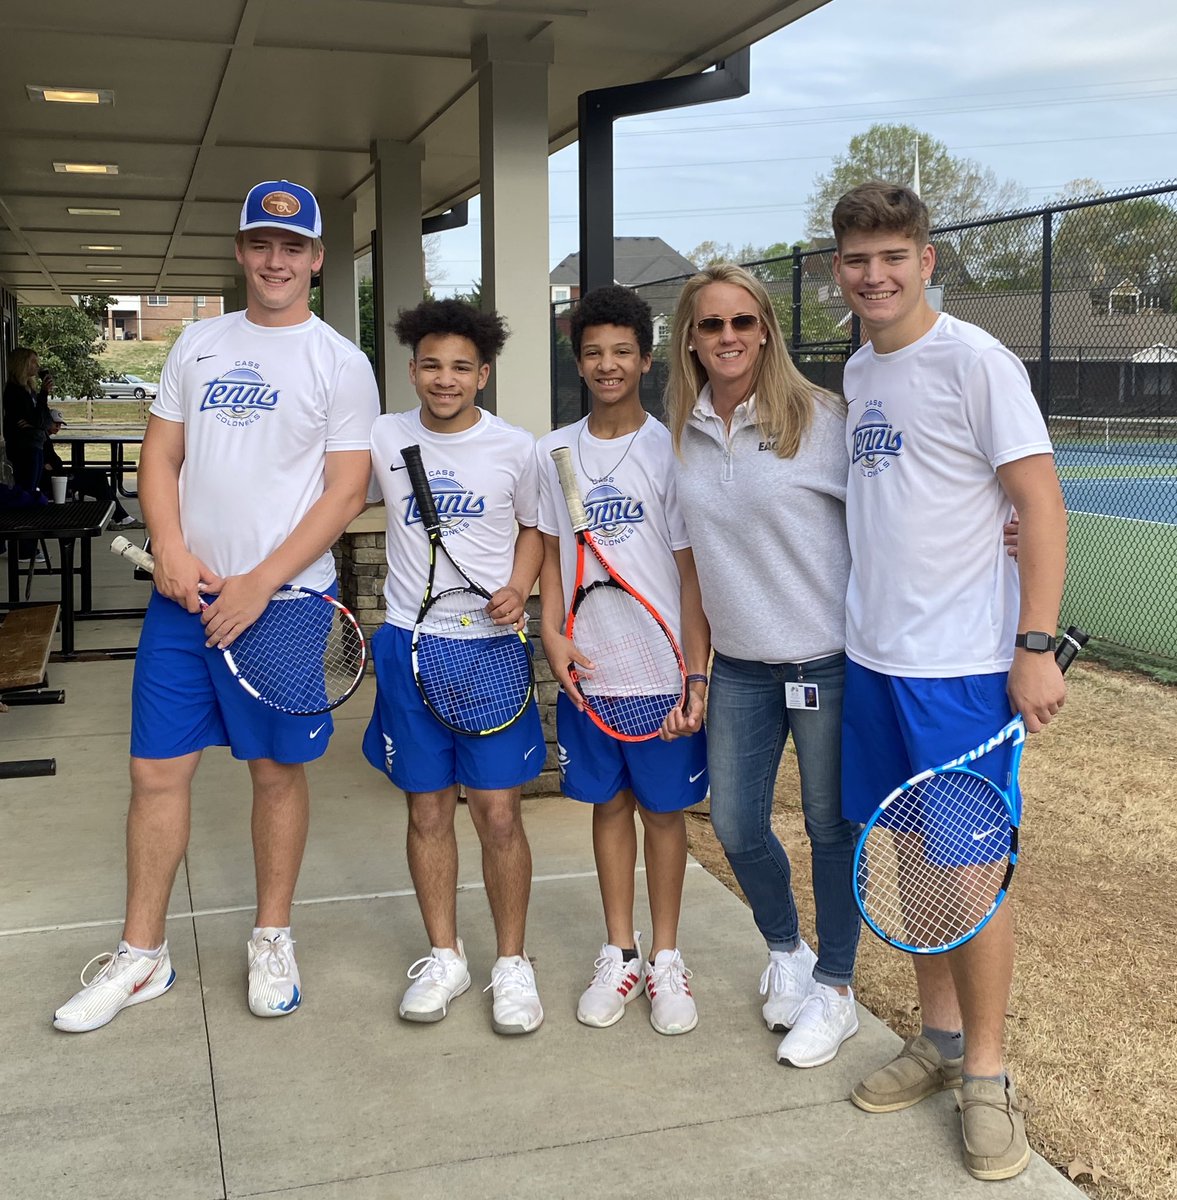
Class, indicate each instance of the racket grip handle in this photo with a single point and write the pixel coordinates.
(419, 482)
(1069, 646)
(562, 457)
(125, 548)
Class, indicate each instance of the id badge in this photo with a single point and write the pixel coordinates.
(802, 695)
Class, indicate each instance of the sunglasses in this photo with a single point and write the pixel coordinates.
(743, 323)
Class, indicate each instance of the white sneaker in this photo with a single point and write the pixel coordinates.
(825, 1021)
(120, 981)
(275, 989)
(437, 980)
(672, 1007)
(787, 981)
(516, 1006)
(614, 984)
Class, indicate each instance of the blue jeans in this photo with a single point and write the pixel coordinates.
(747, 725)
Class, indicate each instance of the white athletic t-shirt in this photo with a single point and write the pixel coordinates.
(932, 592)
(628, 487)
(483, 481)
(261, 408)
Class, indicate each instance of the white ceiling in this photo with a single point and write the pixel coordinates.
(214, 95)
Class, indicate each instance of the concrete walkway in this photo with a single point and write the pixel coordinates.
(190, 1096)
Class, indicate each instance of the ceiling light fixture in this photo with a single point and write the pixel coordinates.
(85, 168)
(94, 212)
(91, 247)
(69, 95)
(104, 266)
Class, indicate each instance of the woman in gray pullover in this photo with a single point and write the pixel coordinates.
(762, 485)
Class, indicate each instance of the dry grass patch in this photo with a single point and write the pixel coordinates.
(1092, 1030)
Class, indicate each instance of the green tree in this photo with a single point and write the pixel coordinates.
(955, 189)
(66, 341)
(1123, 242)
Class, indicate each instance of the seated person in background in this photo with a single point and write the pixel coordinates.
(89, 481)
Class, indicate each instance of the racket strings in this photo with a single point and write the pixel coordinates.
(474, 675)
(637, 676)
(935, 862)
(302, 655)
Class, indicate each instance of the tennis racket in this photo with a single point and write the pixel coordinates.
(474, 676)
(936, 858)
(305, 654)
(638, 674)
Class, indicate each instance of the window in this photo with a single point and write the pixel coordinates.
(561, 294)
(199, 301)
(156, 301)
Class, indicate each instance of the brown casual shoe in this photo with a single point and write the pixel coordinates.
(919, 1071)
(994, 1129)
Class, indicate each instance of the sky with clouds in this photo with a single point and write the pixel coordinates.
(1041, 91)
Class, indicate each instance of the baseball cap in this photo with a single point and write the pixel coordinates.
(56, 417)
(280, 204)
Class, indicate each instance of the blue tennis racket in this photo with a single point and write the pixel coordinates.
(474, 676)
(936, 858)
(304, 655)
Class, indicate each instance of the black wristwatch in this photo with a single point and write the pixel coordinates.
(1035, 641)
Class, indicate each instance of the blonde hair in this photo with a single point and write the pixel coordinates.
(784, 397)
(20, 361)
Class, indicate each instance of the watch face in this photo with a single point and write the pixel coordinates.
(1039, 642)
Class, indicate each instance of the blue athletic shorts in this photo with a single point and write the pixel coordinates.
(184, 698)
(594, 767)
(406, 742)
(895, 726)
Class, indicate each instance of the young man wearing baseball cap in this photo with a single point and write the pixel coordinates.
(254, 461)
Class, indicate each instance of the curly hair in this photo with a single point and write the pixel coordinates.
(613, 305)
(487, 330)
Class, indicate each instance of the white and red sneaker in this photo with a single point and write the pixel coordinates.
(614, 984)
(672, 1007)
(122, 979)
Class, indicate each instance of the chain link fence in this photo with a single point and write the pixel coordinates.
(1085, 294)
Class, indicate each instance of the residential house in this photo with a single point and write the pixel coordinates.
(149, 318)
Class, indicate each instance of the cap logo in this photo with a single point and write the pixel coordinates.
(280, 204)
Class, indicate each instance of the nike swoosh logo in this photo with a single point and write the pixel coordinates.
(528, 754)
(202, 357)
(144, 982)
(319, 730)
(696, 775)
(985, 833)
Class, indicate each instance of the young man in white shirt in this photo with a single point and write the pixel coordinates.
(945, 633)
(485, 469)
(254, 461)
(626, 470)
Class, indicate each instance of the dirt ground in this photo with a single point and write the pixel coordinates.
(1092, 1031)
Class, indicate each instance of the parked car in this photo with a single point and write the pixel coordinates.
(128, 386)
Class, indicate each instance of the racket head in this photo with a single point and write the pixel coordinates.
(305, 654)
(935, 860)
(475, 677)
(638, 675)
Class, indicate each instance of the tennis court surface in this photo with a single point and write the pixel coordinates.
(1119, 480)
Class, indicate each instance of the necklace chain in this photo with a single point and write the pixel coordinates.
(616, 466)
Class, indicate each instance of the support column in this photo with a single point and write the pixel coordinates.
(340, 303)
(235, 297)
(397, 263)
(513, 164)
